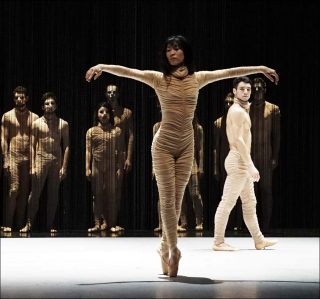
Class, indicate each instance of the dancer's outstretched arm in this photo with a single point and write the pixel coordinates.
(206, 77)
(146, 77)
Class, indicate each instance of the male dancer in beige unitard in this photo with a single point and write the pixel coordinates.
(50, 155)
(177, 88)
(16, 149)
(220, 152)
(122, 120)
(241, 172)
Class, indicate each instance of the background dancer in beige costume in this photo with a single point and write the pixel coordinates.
(103, 167)
(50, 155)
(177, 88)
(241, 172)
(155, 129)
(265, 130)
(123, 121)
(193, 185)
(16, 149)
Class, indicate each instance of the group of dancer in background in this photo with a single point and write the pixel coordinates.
(36, 154)
(33, 145)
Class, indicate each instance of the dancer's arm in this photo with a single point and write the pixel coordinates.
(33, 147)
(88, 154)
(275, 135)
(66, 151)
(206, 77)
(237, 124)
(4, 141)
(128, 162)
(201, 142)
(147, 77)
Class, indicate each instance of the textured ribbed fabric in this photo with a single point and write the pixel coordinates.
(265, 129)
(18, 157)
(46, 170)
(103, 145)
(48, 162)
(173, 144)
(238, 183)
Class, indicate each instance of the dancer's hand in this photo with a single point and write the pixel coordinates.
(271, 74)
(88, 174)
(127, 165)
(94, 71)
(253, 172)
(62, 173)
(6, 169)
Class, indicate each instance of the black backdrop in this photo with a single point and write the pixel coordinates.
(48, 46)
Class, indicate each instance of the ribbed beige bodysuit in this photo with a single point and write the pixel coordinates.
(172, 146)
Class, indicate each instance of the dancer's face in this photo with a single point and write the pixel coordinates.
(175, 55)
(112, 93)
(20, 100)
(49, 105)
(243, 91)
(103, 115)
(258, 92)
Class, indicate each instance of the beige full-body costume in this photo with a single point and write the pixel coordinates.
(193, 185)
(50, 154)
(16, 150)
(220, 152)
(102, 146)
(173, 144)
(125, 154)
(265, 119)
(239, 181)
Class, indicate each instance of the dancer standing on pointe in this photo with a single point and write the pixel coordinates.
(177, 88)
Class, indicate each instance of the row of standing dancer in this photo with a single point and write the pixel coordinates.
(111, 134)
(37, 150)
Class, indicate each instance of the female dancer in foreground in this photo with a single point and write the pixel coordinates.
(177, 88)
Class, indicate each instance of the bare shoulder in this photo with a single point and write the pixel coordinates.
(63, 123)
(156, 125)
(217, 122)
(36, 122)
(272, 107)
(90, 130)
(236, 110)
(34, 116)
(4, 117)
(237, 114)
(199, 128)
(8, 114)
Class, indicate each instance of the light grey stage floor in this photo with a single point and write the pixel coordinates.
(130, 268)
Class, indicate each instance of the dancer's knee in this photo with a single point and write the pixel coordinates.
(249, 206)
